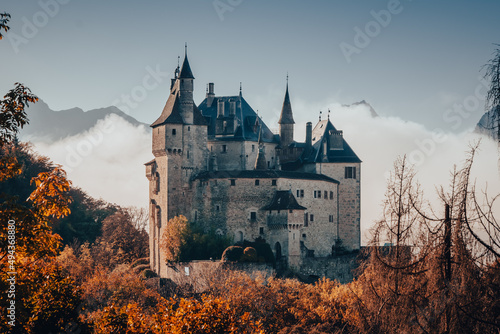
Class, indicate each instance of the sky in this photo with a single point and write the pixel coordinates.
(418, 63)
(410, 59)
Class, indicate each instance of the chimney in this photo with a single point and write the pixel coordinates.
(210, 94)
(336, 141)
(308, 134)
(220, 108)
(232, 107)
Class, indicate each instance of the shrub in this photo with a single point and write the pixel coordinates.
(249, 255)
(232, 254)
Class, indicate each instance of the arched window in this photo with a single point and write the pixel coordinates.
(239, 236)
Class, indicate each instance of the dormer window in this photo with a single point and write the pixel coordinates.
(174, 132)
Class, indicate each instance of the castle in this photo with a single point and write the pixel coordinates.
(220, 165)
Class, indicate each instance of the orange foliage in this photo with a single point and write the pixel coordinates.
(186, 316)
(50, 196)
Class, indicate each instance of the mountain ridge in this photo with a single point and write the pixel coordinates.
(50, 125)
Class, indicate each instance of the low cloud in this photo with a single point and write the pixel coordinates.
(106, 161)
(110, 156)
(378, 141)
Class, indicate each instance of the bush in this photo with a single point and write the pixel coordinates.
(264, 251)
(147, 273)
(232, 254)
(249, 255)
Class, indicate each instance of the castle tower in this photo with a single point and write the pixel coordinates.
(260, 162)
(186, 79)
(286, 121)
(180, 150)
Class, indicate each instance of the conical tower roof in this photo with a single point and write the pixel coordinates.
(186, 72)
(286, 111)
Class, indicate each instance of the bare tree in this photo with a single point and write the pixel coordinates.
(439, 272)
(493, 96)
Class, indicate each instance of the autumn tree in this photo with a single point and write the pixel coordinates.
(4, 19)
(120, 241)
(183, 241)
(444, 282)
(27, 244)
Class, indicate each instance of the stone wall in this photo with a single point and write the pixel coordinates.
(340, 267)
(349, 201)
(240, 155)
(236, 210)
(200, 274)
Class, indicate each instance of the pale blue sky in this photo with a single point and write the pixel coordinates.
(91, 53)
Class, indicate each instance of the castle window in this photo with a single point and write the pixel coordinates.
(253, 148)
(290, 211)
(257, 182)
(306, 219)
(187, 154)
(233, 182)
(304, 235)
(261, 230)
(331, 194)
(330, 218)
(224, 149)
(315, 194)
(253, 216)
(301, 192)
(189, 128)
(157, 184)
(273, 182)
(269, 164)
(350, 173)
(311, 217)
(217, 208)
(298, 193)
(326, 195)
(319, 193)
(174, 132)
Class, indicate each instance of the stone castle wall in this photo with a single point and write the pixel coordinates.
(349, 201)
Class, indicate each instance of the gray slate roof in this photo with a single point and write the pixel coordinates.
(320, 132)
(186, 72)
(248, 120)
(284, 200)
(263, 174)
(286, 116)
(171, 112)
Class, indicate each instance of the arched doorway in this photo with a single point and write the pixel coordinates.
(277, 251)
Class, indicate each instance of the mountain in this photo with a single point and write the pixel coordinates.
(363, 103)
(488, 123)
(49, 125)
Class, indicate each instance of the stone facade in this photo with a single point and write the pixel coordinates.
(219, 165)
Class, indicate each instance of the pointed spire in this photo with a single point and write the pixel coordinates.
(286, 111)
(260, 162)
(328, 114)
(320, 112)
(178, 69)
(240, 89)
(186, 72)
(260, 135)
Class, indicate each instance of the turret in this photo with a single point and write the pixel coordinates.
(260, 162)
(186, 79)
(286, 121)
